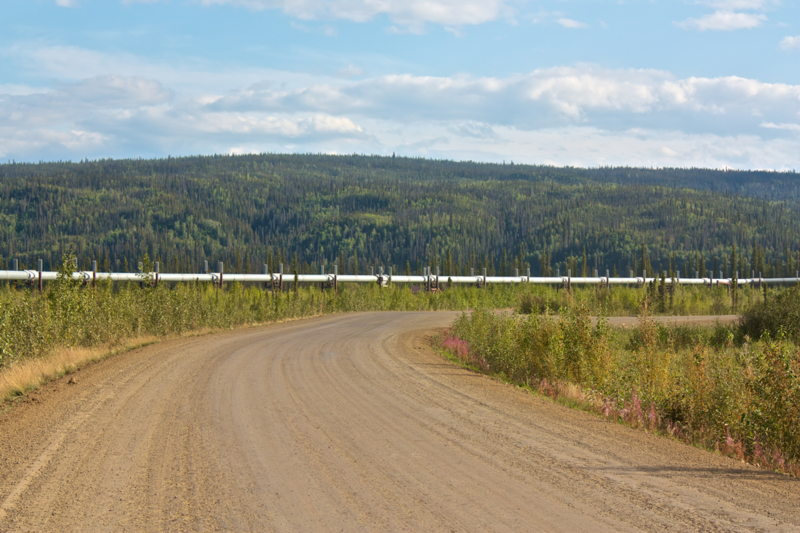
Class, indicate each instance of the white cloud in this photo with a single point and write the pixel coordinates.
(17, 144)
(412, 13)
(118, 91)
(106, 114)
(790, 43)
(731, 5)
(724, 21)
(592, 147)
(66, 3)
(190, 76)
(65, 105)
(583, 95)
(282, 126)
(20, 90)
(667, 151)
(570, 23)
(477, 130)
(582, 114)
(787, 127)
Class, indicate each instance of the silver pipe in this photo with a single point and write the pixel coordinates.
(30, 275)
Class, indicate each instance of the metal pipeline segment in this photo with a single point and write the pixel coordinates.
(18, 275)
(31, 275)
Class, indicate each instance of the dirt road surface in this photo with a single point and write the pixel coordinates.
(348, 423)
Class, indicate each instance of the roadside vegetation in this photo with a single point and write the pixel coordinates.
(711, 387)
(735, 389)
(69, 314)
(44, 336)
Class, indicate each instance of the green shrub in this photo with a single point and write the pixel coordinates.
(699, 384)
(778, 314)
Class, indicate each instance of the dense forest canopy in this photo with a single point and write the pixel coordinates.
(309, 211)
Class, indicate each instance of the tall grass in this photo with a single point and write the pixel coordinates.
(696, 384)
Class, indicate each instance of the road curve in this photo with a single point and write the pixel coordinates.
(348, 423)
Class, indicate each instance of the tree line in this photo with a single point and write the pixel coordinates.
(316, 211)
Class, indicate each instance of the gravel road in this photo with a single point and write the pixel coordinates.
(348, 423)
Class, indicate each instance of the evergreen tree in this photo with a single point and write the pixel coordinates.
(585, 266)
(661, 298)
(645, 264)
(295, 272)
(544, 266)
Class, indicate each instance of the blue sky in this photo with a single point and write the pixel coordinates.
(705, 83)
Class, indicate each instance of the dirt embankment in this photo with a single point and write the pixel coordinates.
(348, 422)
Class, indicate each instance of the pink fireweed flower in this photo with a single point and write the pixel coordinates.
(758, 451)
(607, 408)
(637, 406)
(779, 461)
(456, 346)
(729, 442)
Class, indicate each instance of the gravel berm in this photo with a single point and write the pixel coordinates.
(348, 423)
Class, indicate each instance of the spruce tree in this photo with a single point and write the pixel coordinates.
(295, 272)
(645, 265)
(585, 266)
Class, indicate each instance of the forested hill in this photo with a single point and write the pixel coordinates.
(400, 212)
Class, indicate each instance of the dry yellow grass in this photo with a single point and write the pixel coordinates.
(33, 373)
